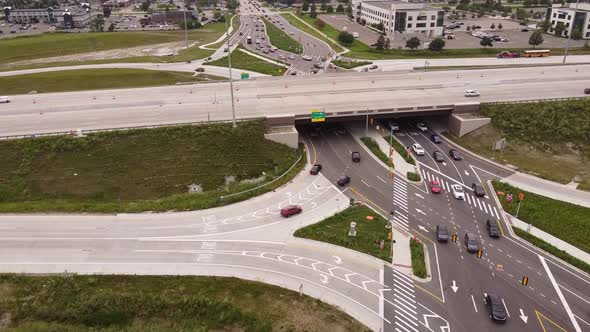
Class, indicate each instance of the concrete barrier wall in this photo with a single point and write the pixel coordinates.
(471, 107)
(287, 135)
(461, 124)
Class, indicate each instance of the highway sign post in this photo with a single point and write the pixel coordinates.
(318, 116)
(244, 76)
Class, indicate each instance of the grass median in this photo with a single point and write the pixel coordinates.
(374, 147)
(418, 259)
(92, 79)
(350, 64)
(143, 170)
(161, 303)
(294, 20)
(245, 61)
(282, 40)
(568, 222)
(397, 146)
(369, 233)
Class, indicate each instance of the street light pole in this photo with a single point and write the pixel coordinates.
(569, 35)
(231, 81)
(185, 26)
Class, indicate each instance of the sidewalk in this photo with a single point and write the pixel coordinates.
(549, 189)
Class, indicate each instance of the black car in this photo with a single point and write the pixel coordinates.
(524, 30)
(587, 91)
(455, 154)
(315, 169)
(435, 138)
(442, 233)
(478, 190)
(356, 157)
(471, 242)
(496, 308)
(493, 228)
(438, 156)
(343, 180)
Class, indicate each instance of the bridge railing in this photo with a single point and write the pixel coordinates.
(531, 101)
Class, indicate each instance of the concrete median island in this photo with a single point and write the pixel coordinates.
(163, 169)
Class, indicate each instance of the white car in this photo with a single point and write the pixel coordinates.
(306, 58)
(291, 57)
(458, 192)
(422, 126)
(471, 93)
(393, 126)
(4, 99)
(418, 149)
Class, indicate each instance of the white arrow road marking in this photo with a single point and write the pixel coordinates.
(314, 205)
(454, 286)
(337, 260)
(466, 173)
(423, 228)
(418, 195)
(420, 211)
(444, 164)
(324, 278)
(523, 317)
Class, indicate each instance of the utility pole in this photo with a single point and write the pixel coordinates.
(231, 81)
(569, 35)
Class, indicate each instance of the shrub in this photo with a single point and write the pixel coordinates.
(345, 38)
(437, 44)
(412, 176)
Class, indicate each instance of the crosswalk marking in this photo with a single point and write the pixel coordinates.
(404, 303)
(468, 199)
(497, 214)
(484, 207)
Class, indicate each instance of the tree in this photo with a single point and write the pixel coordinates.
(323, 6)
(345, 38)
(577, 34)
(313, 13)
(486, 41)
(232, 4)
(463, 15)
(97, 24)
(190, 25)
(340, 8)
(144, 6)
(413, 43)
(319, 24)
(387, 44)
(500, 26)
(111, 27)
(521, 14)
(380, 44)
(379, 26)
(437, 44)
(349, 10)
(536, 39)
(305, 6)
(545, 25)
(329, 9)
(558, 30)
(106, 12)
(493, 26)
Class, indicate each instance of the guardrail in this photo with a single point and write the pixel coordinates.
(531, 101)
(90, 131)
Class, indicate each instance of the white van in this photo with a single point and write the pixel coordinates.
(4, 99)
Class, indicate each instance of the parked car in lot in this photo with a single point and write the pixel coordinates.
(438, 156)
(435, 139)
(471, 242)
(455, 154)
(435, 187)
(442, 233)
(458, 192)
(478, 190)
(493, 228)
(471, 93)
(291, 210)
(418, 149)
(422, 126)
(356, 157)
(343, 180)
(315, 169)
(496, 308)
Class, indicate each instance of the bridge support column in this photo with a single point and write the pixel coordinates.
(281, 129)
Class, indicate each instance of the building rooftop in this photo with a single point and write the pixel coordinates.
(398, 5)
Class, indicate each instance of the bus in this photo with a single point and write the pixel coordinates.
(536, 53)
(249, 40)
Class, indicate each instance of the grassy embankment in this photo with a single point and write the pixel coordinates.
(350, 64)
(141, 170)
(160, 303)
(294, 20)
(548, 139)
(92, 79)
(335, 229)
(374, 147)
(245, 61)
(282, 40)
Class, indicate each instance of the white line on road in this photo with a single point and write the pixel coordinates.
(582, 320)
(468, 200)
(366, 184)
(506, 308)
(473, 300)
(568, 310)
(578, 296)
(378, 177)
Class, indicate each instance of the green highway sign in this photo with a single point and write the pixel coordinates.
(245, 76)
(318, 116)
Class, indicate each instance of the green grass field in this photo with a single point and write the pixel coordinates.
(350, 64)
(566, 221)
(161, 303)
(92, 79)
(374, 147)
(418, 260)
(59, 44)
(245, 61)
(335, 229)
(294, 21)
(140, 170)
(282, 40)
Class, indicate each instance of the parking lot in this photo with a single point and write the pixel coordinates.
(12, 30)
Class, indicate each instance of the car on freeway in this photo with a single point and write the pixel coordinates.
(524, 30)
(496, 308)
(455, 154)
(356, 157)
(422, 126)
(306, 58)
(200, 70)
(291, 57)
(478, 190)
(226, 49)
(508, 54)
(4, 99)
(493, 228)
(343, 180)
(291, 210)
(458, 192)
(438, 156)
(442, 233)
(471, 93)
(315, 169)
(471, 242)
(435, 187)
(393, 126)
(418, 149)
(435, 139)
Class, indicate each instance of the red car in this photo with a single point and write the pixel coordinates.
(506, 54)
(435, 187)
(291, 210)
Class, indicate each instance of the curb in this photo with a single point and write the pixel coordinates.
(427, 262)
